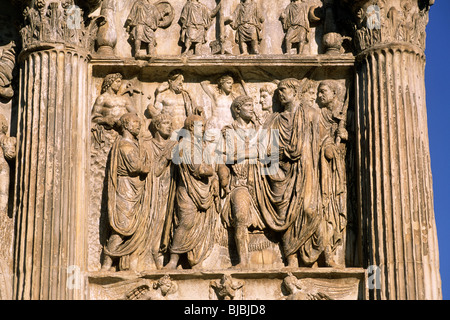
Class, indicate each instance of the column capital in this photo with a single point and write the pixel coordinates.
(49, 24)
(386, 22)
(88, 6)
(355, 4)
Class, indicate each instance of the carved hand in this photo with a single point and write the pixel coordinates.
(329, 152)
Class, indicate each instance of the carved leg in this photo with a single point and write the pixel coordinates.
(240, 204)
(241, 238)
(243, 47)
(114, 241)
(151, 48)
(301, 46)
(159, 260)
(187, 44)
(292, 260)
(137, 48)
(288, 47)
(255, 47)
(196, 48)
(173, 262)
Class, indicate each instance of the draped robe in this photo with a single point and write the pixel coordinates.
(128, 203)
(289, 200)
(195, 221)
(333, 181)
(247, 21)
(296, 22)
(162, 187)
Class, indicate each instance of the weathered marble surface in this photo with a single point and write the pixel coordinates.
(95, 201)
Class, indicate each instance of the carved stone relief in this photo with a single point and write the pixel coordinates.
(223, 211)
(158, 290)
(142, 22)
(232, 27)
(7, 61)
(220, 149)
(9, 47)
(227, 288)
(390, 21)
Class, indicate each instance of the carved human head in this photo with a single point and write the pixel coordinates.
(112, 80)
(131, 123)
(40, 4)
(327, 92)
(163, 125)
(242, 107)
(308, 92)
(226, 83)
(176, 80)
(166, 285)
(192, 121)
(265, 96)
(288, 90)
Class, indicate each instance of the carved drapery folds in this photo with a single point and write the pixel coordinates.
(231, 27)
(280, 201)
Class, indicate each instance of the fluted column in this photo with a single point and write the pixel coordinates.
(52, 166)
(395, 185)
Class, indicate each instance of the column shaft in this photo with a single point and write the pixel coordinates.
(51, 192)
(396, 195)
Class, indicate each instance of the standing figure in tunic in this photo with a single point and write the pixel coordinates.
(240, 210)
(296, 24)
(142, 23)
(195, 19)
(247, 20)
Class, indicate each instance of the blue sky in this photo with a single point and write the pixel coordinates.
(437, 73)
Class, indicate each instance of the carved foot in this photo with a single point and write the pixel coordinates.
(240, 266)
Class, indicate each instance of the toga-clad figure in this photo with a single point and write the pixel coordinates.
(332, 174)
(197, 189)
(162, 186)
(290, 198)
(128, 203)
